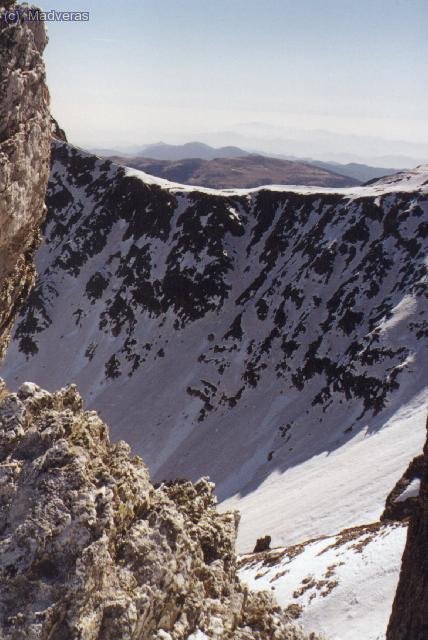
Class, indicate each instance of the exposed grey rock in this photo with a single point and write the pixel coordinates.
(24, 158)
(89, 548)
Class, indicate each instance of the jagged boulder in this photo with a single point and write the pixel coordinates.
(89, 548)
(262, 544)
(409, 618)
(25, 135)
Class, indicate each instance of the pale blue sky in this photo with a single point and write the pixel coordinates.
(166, 69)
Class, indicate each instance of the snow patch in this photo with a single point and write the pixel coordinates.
(411, 491)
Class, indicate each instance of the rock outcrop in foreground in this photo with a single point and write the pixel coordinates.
(409, 618)
(89, 548)
(25, 135)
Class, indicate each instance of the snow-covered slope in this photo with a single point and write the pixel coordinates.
(342, 586)
(342, 487)
(274, 339)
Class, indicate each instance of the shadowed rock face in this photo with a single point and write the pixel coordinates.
(91, 549)
(409, 618)
(403, 501)
(25, 134)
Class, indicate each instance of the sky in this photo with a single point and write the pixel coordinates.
(148, 70)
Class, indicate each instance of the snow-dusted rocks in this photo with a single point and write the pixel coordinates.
(24, 159)
(90, 549)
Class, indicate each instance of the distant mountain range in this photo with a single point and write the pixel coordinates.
(241, 172)
(361, 172)
(163, 151)
(289, 143)
(319, 144)
(253, 172)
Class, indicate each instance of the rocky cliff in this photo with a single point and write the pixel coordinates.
(24, 158)
(409, 618)
(89, 548)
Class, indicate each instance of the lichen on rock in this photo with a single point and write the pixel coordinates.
(89, 548)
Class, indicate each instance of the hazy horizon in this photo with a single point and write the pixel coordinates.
(315, 144)
(179, 71)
